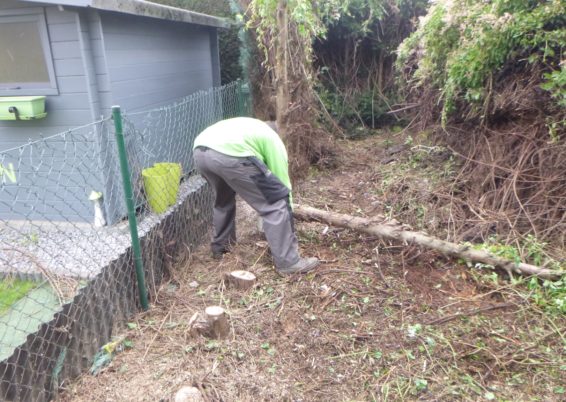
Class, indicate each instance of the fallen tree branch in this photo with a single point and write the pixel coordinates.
(395, 231)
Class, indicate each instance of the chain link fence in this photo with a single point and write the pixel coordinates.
(67, 262)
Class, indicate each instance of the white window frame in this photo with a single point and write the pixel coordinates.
(31, 88)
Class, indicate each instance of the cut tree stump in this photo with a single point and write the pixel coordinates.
(242, 280)
(189, 394)
(393, 230)
(212, 324)
(218, 320)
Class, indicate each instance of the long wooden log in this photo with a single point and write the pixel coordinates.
(395, 231)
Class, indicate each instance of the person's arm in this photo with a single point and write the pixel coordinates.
(276, 160)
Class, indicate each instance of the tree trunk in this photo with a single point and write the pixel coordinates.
(395, 231)
(281, 66)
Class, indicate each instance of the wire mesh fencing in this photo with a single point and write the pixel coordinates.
(67, 265)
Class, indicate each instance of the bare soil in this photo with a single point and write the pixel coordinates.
(376, 321)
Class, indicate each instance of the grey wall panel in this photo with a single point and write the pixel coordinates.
(160, 97)
(87, 57)
(72, 84)
(49, 188)
(63, 32)
(149, 59)
(14, 4)
(55, 211)
(53, 178)
(103, 83)
(145, 56)
(99, 59)
(162, 83)
(54, 123)
(66, 50)
(57, 16)
(215, 57)
(68, 67)
(160, 39)
(64, 119)
(98, 51)
(78, 101)
(154, 68)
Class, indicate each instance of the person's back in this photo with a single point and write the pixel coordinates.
(240, 137)
(245, 136)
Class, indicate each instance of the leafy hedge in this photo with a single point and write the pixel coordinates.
(461, 45)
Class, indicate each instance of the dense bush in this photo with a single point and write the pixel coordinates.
(461, 46)
(355, 58)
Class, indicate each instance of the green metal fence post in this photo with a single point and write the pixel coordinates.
(128, 195)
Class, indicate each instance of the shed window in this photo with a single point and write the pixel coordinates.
(26, 66)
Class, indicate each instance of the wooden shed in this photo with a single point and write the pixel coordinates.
(85, 56)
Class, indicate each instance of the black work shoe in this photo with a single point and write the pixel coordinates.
(301, 266)
(217, 255)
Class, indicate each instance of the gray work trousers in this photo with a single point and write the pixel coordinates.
(263, 191)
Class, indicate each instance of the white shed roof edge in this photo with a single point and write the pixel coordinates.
(145, 9)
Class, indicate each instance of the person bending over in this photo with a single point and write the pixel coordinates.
(245, 156)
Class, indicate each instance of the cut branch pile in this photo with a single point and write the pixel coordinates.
(395, 231)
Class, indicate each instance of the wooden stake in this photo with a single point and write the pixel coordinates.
(389, 229)
(241, 279)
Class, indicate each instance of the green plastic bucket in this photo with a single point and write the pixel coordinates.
(156, 183)
(174, 172)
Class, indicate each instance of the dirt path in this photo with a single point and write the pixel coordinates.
(353, 330)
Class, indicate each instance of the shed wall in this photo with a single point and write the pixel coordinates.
(52, 182)
(70, 76)
(102, 59)
(153, 62)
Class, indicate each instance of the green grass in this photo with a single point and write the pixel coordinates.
(12, 290)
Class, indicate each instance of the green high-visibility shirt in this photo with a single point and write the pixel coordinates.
(244, 136)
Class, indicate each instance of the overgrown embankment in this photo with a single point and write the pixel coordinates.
(491, 76)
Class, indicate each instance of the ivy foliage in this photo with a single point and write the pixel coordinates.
(461, 45)
(306, 15)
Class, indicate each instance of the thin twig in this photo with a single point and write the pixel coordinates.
(158, 330)
(468, 313)
(379, 268)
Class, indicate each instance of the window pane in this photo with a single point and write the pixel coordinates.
(21, 54)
